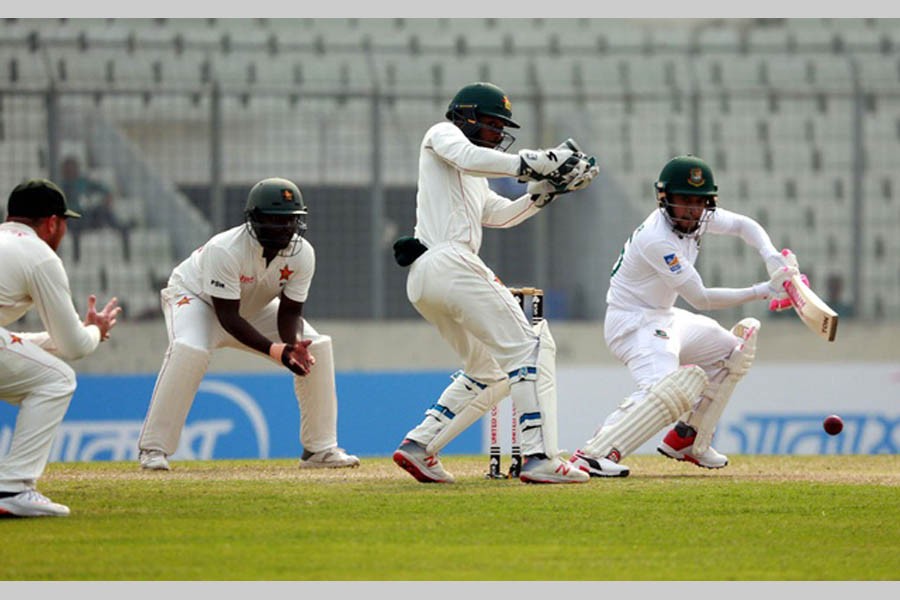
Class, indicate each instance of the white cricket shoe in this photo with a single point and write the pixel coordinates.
(331, 458)
(32, 503)
(541, 469)
(154, 460)
(427, 468)
(598, 467)
(679, 444)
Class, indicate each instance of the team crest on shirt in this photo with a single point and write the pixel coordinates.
(672, 262)
(661, 333)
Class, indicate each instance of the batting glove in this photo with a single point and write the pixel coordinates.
(780, 304)
(785, 259)
(775, 286)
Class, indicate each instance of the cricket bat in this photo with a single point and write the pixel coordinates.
(811, 309)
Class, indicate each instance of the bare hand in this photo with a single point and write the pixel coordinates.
(301, 357)
(105, 319)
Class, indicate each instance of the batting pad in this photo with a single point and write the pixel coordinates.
(317, 398)
(665, 402)
(709, 409)
(176, 386)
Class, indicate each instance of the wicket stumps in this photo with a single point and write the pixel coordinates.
(515, 466)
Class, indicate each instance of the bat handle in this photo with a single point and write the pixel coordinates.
(776, 305)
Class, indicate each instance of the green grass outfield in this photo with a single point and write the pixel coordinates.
(762, 518)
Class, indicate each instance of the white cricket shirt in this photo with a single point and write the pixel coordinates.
(31, 274)
(454, 200)
(231, 266)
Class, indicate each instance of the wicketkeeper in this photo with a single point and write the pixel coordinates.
(455, 291)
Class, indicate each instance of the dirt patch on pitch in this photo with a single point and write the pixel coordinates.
(853, 469)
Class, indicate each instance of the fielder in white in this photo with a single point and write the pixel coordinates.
(245, 289)
(685, 365)
(455, 291)
(33, 373)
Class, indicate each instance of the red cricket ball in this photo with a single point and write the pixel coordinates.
(833, 424)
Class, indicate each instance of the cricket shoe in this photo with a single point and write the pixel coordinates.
(154, 460)
(32, 503)
(598, 467)
(332, 458)
(539, 468)
(679, 444)
(427, 468)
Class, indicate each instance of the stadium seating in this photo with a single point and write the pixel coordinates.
(771, 103)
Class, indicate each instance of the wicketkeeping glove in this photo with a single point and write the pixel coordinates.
(579, 177)
(553, 165)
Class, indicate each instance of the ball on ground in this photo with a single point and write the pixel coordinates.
(833, 424)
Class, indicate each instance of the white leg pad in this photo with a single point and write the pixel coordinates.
(665, 402)
(474, 410)
(455, 397)
(176, 386)
(706, 414)
(317, 398)
(546, 389)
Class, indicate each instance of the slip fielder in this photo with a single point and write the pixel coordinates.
(245, 289)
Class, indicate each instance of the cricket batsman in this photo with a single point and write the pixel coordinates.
(685, 365)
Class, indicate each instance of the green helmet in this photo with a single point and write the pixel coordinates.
(690, 176)
(482, 99)
(275, 213)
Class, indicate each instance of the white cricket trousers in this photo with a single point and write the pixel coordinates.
(41, 385)
(473, 311)
(194, 334)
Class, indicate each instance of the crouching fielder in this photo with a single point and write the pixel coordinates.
(685, 365)
(245, 289)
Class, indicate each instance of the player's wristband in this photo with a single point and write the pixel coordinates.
(276, 350)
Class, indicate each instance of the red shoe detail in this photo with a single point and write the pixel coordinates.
(676, 442)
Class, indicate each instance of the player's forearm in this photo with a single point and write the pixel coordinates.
(290, 320)
(245, 333)
(512, 213)
(702, 298)
(754, 235)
